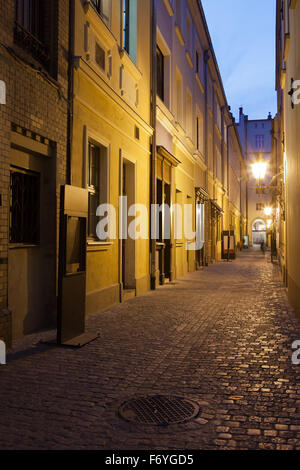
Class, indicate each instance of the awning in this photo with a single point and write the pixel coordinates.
(201, 195)
(216, 210)
(163, 152)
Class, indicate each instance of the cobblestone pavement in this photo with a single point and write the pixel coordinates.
(221, 336)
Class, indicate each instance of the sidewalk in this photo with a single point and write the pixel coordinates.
(221, 336)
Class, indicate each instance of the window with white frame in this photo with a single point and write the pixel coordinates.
(97, 183)
(130, 28)
(163, 69)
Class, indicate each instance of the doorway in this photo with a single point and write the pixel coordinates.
(32, 240)
(128, 245)
(259, 233)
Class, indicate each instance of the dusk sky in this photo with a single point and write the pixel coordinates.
(243, 36)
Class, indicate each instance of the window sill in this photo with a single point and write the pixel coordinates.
(94, 245)
(130, 65)
(164, 108)
(22, 246)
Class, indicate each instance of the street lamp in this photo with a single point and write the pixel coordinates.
(259, 170)
(268, 211)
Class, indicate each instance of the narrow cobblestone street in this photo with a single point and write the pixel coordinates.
(221, 336)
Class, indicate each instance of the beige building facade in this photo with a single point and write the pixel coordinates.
(195, 126)
(122, 107)
(111, 138)
(286, 153)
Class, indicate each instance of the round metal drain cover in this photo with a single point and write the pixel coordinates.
(159, 410)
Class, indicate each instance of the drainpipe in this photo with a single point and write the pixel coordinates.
(153, 145)
(228, 159)
(207, 215)
(70, 91)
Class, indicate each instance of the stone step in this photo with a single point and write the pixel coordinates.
(128, 294)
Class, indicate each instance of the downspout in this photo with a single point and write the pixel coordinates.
(207, 215)
(246, 142)
(153, 144)
(70, 91)
(228, 173)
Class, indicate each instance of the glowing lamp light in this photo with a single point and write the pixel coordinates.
(268, 211)
(269, 223)
(259, 170)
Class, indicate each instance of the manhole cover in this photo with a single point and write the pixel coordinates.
(159, 410)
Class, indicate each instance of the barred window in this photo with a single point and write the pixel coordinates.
(35, 28)
(24, 207)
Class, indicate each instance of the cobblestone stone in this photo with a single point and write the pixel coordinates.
(221, 337)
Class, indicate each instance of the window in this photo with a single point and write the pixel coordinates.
(24, 207)
(197, 62)
(218, 115)
(200, 133)
(103, 8)
(188, 33)
(100, 56)
(130, 27)
(93, 187)
(189, 114)
(218, 164)
(33, 30)
(260, 142)
(178, 13)
(210, 93)
(179, 97)
(126, 13)
(97, 183)
(160, 73)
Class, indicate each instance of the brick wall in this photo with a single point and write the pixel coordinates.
(5, 327)
(35, 101)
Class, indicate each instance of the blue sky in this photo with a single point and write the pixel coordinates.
(243, 36)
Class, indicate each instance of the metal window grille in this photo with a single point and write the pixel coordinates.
(30, 27)
(24, 207)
